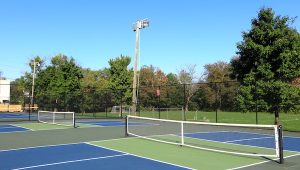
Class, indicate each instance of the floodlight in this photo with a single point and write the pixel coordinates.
(145, 23)
(140, 24)
(134, 27)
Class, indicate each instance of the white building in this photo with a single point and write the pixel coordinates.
(4, 91)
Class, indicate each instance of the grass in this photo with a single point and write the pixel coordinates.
(290, 122)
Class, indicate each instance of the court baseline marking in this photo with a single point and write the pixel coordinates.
(87, 159)
(138, 155)
(66, 162)
(263, 162)
(230, 142)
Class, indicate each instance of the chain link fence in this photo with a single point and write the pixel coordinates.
(210, 102)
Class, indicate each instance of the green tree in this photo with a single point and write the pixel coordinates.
(95, 84)
(175, 91)
(268, 61)
(59, 84)
(120, 78)
(17, 90)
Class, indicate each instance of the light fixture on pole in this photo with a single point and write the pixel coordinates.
(136, 28)
(34, 63)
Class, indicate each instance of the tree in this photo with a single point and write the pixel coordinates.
(268, 61)
(187, 77)
(95, 84)
(17, 90)
(120, 78)
(174, 91)
(152, 78)
(223, 88)
(217, 72)
(60, 83)
(27, 81)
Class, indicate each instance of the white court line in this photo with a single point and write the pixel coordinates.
(262, 134)
(226, 141)
(124, 153)
(39, 147)
(245, 166)
(207, 132)
(231, 143)
(64, 144)
(231, 132)
(246, 139)
(87, 125)
(12, 126)
(138, 156)
(65, 162)
(20, 126)
(296, 137)
(237, 143)
(34, 130)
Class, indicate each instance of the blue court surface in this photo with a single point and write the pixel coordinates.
(249, 139)
(115, 123)
(14, 115)
(11, 128)
(76, 156)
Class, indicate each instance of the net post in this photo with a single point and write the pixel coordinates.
(38, 117)
(280, 142)
(74, 125)
(126, 126)
(53, 117)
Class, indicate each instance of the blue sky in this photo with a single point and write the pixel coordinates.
(181, 32)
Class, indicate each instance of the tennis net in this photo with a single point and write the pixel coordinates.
(58, 118)
(238, 139)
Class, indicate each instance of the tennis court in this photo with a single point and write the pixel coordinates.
(77, 156)
(101, 144)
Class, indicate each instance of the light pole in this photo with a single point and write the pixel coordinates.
(136, 28)
(34, 63)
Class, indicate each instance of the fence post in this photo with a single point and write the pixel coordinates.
(120, 92)
(184, 107)
(216, 102)
(158, 95)
(256, 115)
(105, 106)
(138, 107)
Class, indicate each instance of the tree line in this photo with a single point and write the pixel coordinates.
(264, 75)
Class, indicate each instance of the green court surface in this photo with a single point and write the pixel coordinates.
(183, 156)
(43, 126)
